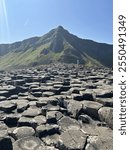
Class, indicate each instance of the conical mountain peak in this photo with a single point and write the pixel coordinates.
(56, 45)
(60, 28)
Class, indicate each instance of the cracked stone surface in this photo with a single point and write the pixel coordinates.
(56, 107)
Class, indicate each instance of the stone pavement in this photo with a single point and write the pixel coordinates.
(56, 107)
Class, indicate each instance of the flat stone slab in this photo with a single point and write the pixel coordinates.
(108, 102)
(102, 141)
(2, 98)
(22, 132)
(72, 140)
(74, 108)
(40, 119)
(103, 93)
(51, 140)
(29, 143)
(27, 121)
(31, 112)
(4, 93)
(48, 129)
(68, 123)
(22, 105)
(91, 108)
(12, 119)
(87, 95)
(7, 106)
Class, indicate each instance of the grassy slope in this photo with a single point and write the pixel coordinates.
(31, 56)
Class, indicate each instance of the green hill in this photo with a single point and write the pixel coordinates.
(57, 45)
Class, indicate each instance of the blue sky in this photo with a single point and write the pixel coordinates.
(22, 19)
